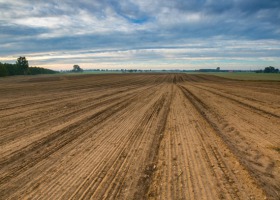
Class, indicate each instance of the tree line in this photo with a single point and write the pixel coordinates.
(21, 67)
(269, 69)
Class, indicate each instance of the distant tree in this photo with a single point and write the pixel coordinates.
(8, 69)
(270, 69)
(22, 67)
(13, 69)
(3, 70)
(22, 64)
(40, 70)
(77, 68)
(218, 69)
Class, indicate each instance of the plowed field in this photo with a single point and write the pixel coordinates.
(139, 136)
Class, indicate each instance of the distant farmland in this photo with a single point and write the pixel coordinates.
(246, 75)
(139, 136)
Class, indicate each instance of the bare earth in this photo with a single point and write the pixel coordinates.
(139, 136)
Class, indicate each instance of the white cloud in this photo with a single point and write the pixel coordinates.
(199, 53)
(157, 32)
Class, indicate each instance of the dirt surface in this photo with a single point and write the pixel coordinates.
(139, 136)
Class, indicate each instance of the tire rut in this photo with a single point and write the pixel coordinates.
(217, 124)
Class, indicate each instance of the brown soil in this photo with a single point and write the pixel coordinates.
(139, 136)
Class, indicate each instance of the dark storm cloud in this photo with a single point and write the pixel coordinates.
(118, 27)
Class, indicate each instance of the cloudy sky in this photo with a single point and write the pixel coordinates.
(147, 34)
